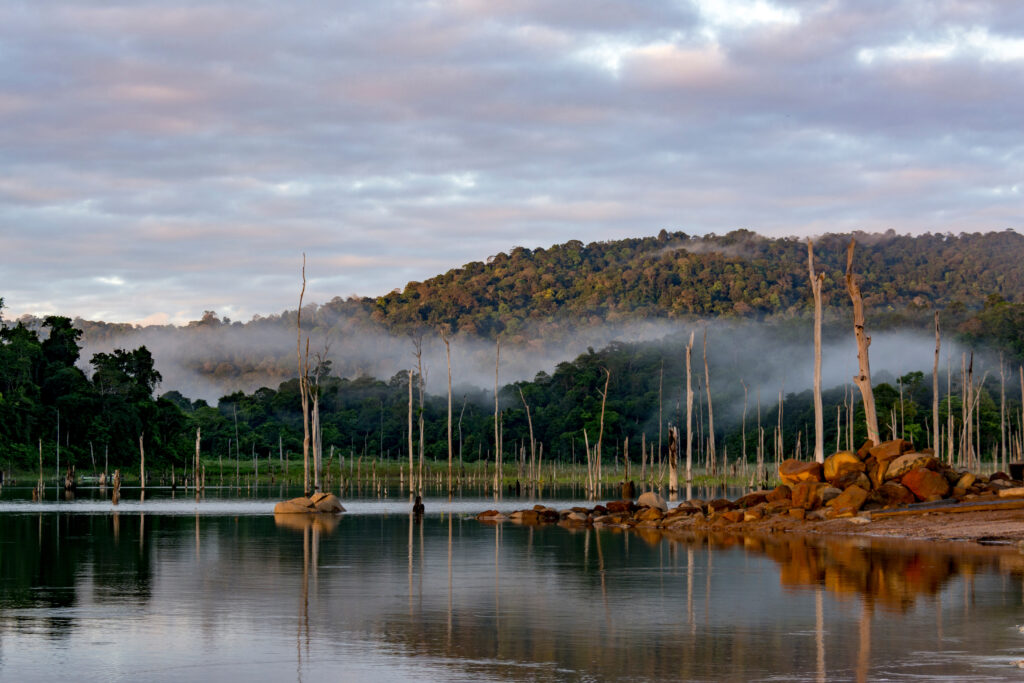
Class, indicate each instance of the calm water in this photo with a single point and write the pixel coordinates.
(170, 590)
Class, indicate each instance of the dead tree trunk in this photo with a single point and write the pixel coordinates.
(1002, 412)
(711, 457)
(819, 418)
(673, 461)
(689, 412)
(448, 359)
(303, 384)
(936, 440)
(497, 427)
(418, 343)
(142, 462)
(600, 433)
(533, 444)
(412, 487)
(863, 379)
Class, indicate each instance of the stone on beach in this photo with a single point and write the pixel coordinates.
(793, 471)
(926, 484)
(652, 500)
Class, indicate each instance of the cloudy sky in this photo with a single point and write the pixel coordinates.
(162, 158)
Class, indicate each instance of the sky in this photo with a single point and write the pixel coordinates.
(159, 159)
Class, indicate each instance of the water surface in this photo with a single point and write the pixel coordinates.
(167, 589)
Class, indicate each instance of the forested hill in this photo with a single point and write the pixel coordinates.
(545, 298)
(673, 275)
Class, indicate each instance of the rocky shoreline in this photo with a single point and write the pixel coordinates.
(885, 490)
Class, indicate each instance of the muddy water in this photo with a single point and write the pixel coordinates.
(169, 590)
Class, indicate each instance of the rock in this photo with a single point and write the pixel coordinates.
(719, 504)
(781, 492)
(889, 450)
(291, 507)
(687, 508)
(752, 499)
(808, 495)
(836, 463)
(797, 513)
(859, 519)
(327, 502)
(753, 514)
(876, 471)
(849, 501)
(649, 515)
(793, 471)
(911, 461)
(893, 494)
(829, 494)
(525, 516)
(998, 475)
(652, 500)
(488, 514)
(576, 518)
(317, 497)
(733, 516)
(925, 484)
(865, 450)
(852, 478)
(966, 480)
(1014, 492)
(620, 506)
(776, 506)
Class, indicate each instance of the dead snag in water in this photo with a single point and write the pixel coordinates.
(863, 378)
(689, 412)
(936, 437)
(819, 419)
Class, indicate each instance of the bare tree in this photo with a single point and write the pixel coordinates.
(412, 487)
(303, 384)
(497, 426)
(689, 412)
(533, 444)
(819, 419)
(863, 379)
(936, 437)
(711, 420)
(448, 358)
(417, 342)
(600, 434)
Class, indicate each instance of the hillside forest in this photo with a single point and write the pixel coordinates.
(96, 406)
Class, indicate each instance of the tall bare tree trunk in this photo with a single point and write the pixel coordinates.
(142, 462)
(936, 440)
(673, 460)
(819, 417)
(533, 444)
(743, 428)
(600, 434)
(863, 379)
(303, 384)
(970, 412)
(497, 427)
(689, 413)
(661, 401)
(196, 468)
(412, 476)
(418, 344)
(712, 458)
(1002, 411)
(448, 359)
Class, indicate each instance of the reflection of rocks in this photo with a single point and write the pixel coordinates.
(325, 524)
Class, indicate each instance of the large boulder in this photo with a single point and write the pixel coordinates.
(293, 506)
(649, 515)
(793, 471)
(909, 461)
(852, 478)
(808, 495)
(889, 450)
(328, 502)
(848, 502)
(892, 494)
(926, 484)
(837, 463)
(752, 499)
(780, 492)
(652, 500)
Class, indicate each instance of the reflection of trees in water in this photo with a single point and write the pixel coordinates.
(50, 559)
(506, 601)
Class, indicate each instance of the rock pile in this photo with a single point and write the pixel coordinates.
(318, 502)
(889, 475)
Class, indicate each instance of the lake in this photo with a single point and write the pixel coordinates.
(168, 589)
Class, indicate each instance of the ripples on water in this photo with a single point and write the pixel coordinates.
(168, 589)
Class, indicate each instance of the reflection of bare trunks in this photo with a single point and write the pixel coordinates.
(673, 460)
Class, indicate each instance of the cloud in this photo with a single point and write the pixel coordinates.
(196, 150)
